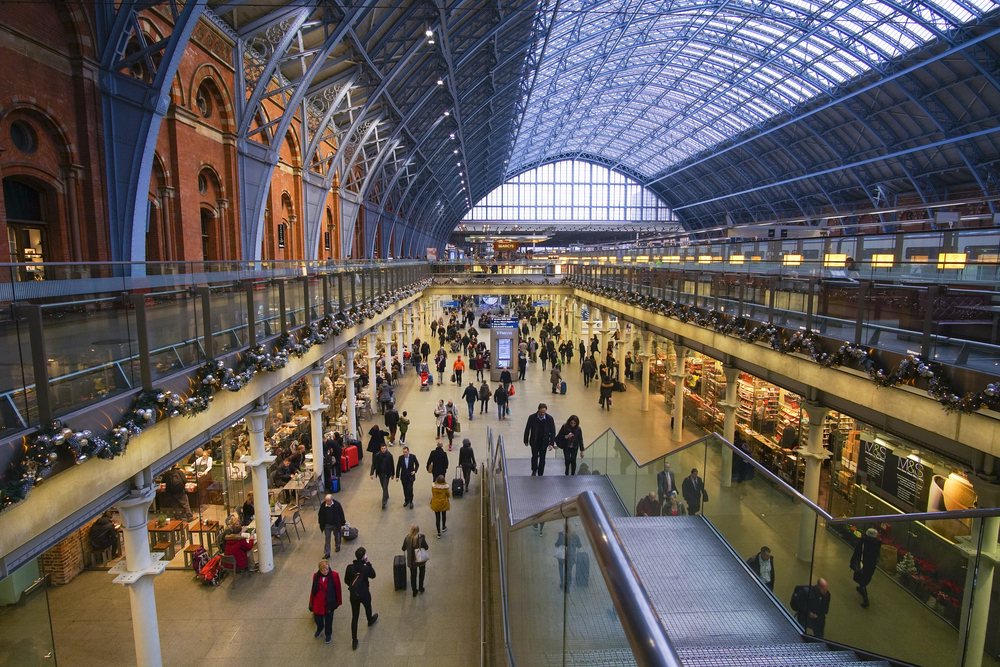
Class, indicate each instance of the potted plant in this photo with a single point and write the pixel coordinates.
(161, 520)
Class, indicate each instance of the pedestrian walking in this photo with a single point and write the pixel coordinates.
(693, 490)
(404, 425)
(439, 412)
(324, 598)
(406, 473)
(484, 397)
(383, 466)
(539, 434)
(501, 398)
(437, 462)
(864, 561)
(331, 522)
(392, 423)
(555, 377)
(450, 425)
(607, 386)
(812, 615)
(457, 369)
(471, 395)
(762, 564)
(440, 504)
(415, 547)
(505, 379)
(570, 441)
(467, 461)
(357, 576)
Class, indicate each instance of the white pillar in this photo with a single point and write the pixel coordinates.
(316, 409)
(258, 463)
(605, 329)
(729, 425)
(371, 364)
(647, 357)
(814, 455)
(678, 375)
(980, 578)
(352, 412)
(399, 342)
(137, 571)
(620, 347)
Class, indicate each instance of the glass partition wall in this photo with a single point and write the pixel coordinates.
(923, 590)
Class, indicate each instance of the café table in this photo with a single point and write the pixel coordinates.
(203, 528)
(298, 483)
(171, 532)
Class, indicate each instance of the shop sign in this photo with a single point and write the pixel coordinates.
(504, 245)
(500, 323)
(543, 303)
(895, 477)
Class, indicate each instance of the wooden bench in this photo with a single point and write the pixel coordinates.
(166, 548)
(189, 553)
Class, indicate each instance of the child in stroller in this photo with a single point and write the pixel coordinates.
(425, 380)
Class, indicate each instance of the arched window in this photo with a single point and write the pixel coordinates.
(26, 210)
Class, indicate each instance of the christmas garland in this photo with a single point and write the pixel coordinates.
(42, 452)
(788, 341)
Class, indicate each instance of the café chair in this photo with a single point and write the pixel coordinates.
(229, 562)
(280, 531)
(296, 522)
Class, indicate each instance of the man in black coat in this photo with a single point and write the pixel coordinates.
(437, 462)
(377, 438)
(693, 490)
(762, 564)
(813, 615)
(665, 482)
(356, 577)
(331, 520)
(471, 395)
(382, 467)
(505, 379)
(391, 422)
(864, 560)
(406, 472)
(539, 434)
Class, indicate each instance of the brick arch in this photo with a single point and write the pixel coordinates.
(46, 115)
(227, 110)
(80, 35)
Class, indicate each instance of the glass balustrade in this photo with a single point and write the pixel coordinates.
(85, 318)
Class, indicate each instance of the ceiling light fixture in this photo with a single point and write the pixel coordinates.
(447, 113)
(440, 82)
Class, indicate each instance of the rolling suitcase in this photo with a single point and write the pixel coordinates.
(352, 455)
(334, 485)
(399, 572)
(349, 532)
(345, 463)
(562, 387)
(458, 484)
(582, 569)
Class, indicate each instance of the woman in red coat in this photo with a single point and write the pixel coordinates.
(324, 598)
(238, 547)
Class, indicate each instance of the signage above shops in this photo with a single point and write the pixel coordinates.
(504, 245)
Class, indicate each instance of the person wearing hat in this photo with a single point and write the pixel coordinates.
(467, 461)
(864, 560)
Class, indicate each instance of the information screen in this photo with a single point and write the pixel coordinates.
(505, 347)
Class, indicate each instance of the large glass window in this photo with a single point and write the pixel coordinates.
(570, 191)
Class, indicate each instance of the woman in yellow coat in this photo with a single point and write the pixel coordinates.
(440, 503)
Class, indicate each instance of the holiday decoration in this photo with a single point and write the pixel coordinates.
(44, 446)
(787, 341)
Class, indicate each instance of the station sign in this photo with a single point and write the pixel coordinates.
(505, 245)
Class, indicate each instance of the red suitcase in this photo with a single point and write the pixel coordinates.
(352, 455)
(345, 465)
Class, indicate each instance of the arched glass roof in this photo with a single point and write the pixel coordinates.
(650, 84)
(571, 190)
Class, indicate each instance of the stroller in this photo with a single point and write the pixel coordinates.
(425, 380)
(456, 345)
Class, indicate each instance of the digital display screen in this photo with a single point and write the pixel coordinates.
(505, 348)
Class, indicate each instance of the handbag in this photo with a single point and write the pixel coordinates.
(458, 427)
(559, 552)
(510, 392)
(421, 556)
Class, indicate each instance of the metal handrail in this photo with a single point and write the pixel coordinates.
(649, 642)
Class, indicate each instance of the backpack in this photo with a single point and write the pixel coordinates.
(175, 481)
(800, 598)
